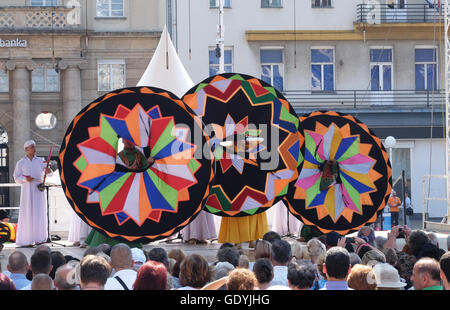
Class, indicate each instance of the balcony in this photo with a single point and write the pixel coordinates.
(366, 99)
(38, 18)
(396, 13)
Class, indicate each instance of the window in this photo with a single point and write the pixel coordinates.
(321, 4)
(44, 79)
(215, 3)
(3, 136)
(425, 68)
(271, 4)
(381, 69)
(4, 82)
(110, 8)
(214, 61)
(111, 74)
(45, 121)
(272, 67)
(44, 2)
(322, 69)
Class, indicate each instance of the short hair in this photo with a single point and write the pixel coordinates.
(363, 249)
(337, 262)
(262, 249)
(194, 271)
(95, 269)
(42, 282)
(43, 247)
(391, 256)
(444, 263)
(430, 250)
(41, 262)
(244, 262)
(62, 280)
(315, 247)
(281, 251)
(17, 261)
(373, 257)
(221, 269)
(416, 241)
(178, 255)
(379, 242)
(358, 278)
(300, 251)
(121, 256)
(241, 279)
(263, 270)
(230, 255)
(354, 259)
(58, 260)
(151, 276)
(430, 266)
(6, 284)
(271, 236)
(226, 245)
(159, 255)
(105, 248)
(301, 275)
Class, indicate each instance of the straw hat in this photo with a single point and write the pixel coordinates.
(387, 276)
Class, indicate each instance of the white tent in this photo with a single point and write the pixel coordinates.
(166, 70)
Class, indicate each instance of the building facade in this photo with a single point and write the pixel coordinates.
(57, 56)
(379, 60)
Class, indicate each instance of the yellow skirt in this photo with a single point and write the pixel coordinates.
(243, 229)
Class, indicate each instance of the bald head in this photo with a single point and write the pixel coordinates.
(66, 278)
(43, 248)
(42, 282)
(426, 273)
(121, 257)
(17, 262)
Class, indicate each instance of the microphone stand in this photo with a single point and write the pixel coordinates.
(49, 237)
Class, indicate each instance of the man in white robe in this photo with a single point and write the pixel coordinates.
(32, 224)
(280, 221)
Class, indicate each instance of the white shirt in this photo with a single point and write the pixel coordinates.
(280, 276)
(128, 276)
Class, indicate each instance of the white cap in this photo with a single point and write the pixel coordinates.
(138, 255)
(387, 276)
(28, 143)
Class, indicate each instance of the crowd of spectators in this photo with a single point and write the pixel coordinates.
(329, 262)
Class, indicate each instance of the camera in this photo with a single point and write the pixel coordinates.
(350, 240)
(401, 233)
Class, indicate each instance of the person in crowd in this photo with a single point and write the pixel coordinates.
(6, 284)
(221, 270)
(139, 258)
(373, 257)
(263, 271)
(336, 269)
(160, 255)
(380, 241)
(58, 260)
(32, 222)
(151, 276)
(241, 279)
(332, 240)
(262, 250)
(391, 256)
(426, 274)
(65, 277)
(300, 251)
(354, 259)
(360, 278)
(42, 282)
(367, 234)
(444, 264)
(321, 276)
(178, 255)
(94, 272)
(271, 236)
(244, 262)
(280, 257)
(301, 276)
(18, 267)
(122, 262)
(194, 272)
(387, 277)
(394, 203)
(315, 249)
(229, 254)
(41, 262)
(416, 241)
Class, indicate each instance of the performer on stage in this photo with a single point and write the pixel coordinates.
(32, 224)
(133, 158)
(201, 229)
(243, 229)
(78, 231)
(280, 221)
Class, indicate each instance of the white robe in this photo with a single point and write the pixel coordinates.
(78, 230)
(32, 224)
(280, 220)
(203, 227)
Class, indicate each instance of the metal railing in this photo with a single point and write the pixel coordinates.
(396, 13)
(361, 98)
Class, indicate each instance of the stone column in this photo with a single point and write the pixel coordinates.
(71, 87)
(20, 97)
